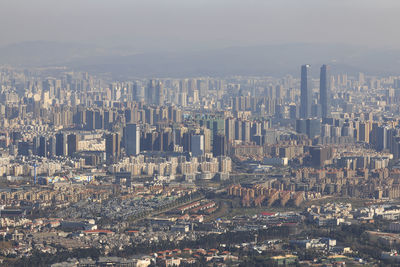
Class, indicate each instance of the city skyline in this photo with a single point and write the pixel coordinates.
(119, 162)
(199, 133)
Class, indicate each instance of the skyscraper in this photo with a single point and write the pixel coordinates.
(219, 145)
(313, 127)
(135, 92)
(301, 126)
(61, 144)
(42, 147)
(52, 147)
(230, 129)
(305, 92)
(159, 94)
(36, 145)
(197, 145)
(90, 120)
(155, 93)
(98, 119)
(132, 139)
(324, 91)
(113, 149)
(72, 142)
(150, 92)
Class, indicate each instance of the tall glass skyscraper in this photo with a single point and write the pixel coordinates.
(325, 91)
(306, 92)
(132, 139)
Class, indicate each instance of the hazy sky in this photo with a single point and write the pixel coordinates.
(197, 24)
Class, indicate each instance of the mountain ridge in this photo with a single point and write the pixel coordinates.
(271, 60)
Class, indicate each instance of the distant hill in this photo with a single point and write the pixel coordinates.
(40, 53)
(274, 60)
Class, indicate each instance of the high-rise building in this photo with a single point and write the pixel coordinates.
(42, 146)
(167, 140)
(319, 155)
(90, 120)
(132, 139)
(301, 126)
(230, 129)
(238, 130)
(279, 91)
(108, 119)
(197, 145)
(316, 110)
(381, 138)
(293, 111)
(246, 126)
(155, 93)
(52, 147)
(149, 142)
(313, 127)
(61, 144)
(150, 92)
(186, 141)
(72, 141)
(364, 132)
(24, 148)
(98, 119)
(36, 145)
(159, 94)
(207, 139)
(361, 78)
(113, 148)
(326, 130)
(324, 91)
(305, 92)
(219, 145)
(135, 92)
(149, 115)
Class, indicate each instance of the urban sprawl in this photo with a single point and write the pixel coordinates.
(200, 171)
